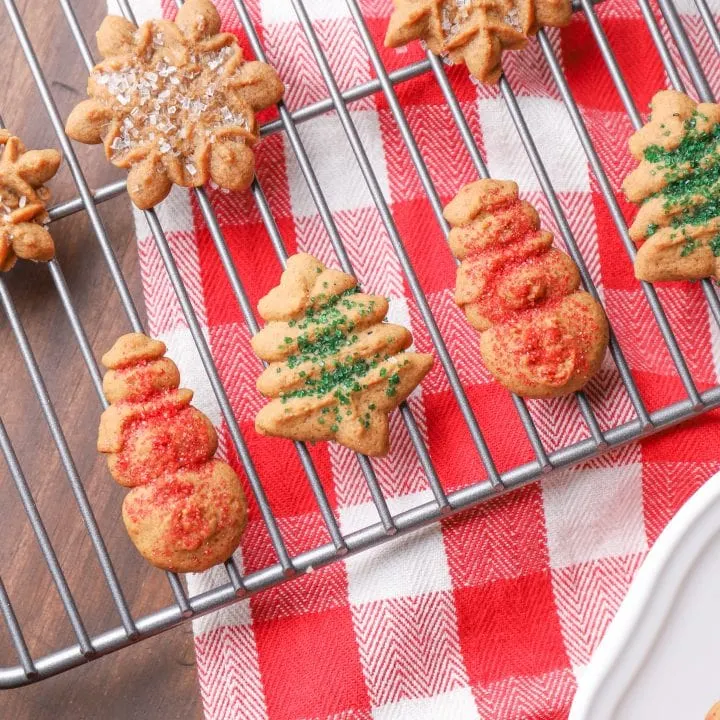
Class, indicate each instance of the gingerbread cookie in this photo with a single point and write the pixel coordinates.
(540, 336)
(677, 185)
(185, 511)
(23, 198)
(474, 32)
(336, 369)
(175, 102)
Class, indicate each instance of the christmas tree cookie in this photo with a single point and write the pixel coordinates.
(185, 511)
(335, 368)
(677, 185)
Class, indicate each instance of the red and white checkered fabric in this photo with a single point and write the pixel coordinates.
(493, 614)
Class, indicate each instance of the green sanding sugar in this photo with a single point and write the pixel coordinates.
(715, 246)
(341, 381)
(688, 247)
(692, 194)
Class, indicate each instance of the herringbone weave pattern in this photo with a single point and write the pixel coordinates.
(495, 613)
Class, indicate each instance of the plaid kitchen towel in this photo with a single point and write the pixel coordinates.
(495, 613)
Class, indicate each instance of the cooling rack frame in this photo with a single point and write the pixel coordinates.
(238, 586)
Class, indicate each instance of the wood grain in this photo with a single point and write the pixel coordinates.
(156, 678)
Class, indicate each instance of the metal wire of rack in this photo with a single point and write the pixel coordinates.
(130, 629)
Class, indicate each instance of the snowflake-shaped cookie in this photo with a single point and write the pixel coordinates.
(22, 201)
(175, 102)
(474, 32)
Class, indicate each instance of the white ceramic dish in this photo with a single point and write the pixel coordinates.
(660, 658)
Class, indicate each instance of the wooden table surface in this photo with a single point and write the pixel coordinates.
(156, 678)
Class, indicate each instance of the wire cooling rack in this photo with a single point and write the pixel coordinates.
(284, 567)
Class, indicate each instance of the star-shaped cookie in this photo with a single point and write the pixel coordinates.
(23, 195)
(474, 32)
